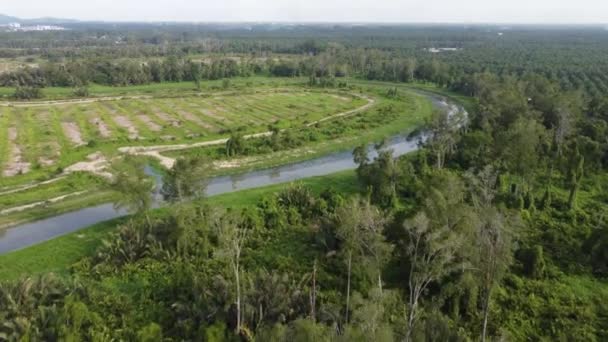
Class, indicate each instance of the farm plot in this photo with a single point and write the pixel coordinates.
(58, 134)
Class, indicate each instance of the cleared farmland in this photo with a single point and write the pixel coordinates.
(51, 135)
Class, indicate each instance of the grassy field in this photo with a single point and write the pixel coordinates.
(59, 254)
(407, 112)
(47, 138)
(163, 89)
(51, 136)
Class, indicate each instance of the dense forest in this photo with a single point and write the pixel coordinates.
(494, 230)
(572, 57)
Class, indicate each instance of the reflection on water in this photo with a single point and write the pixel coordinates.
(32, 233)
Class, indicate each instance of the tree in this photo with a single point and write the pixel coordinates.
(519, 147)
(380, 176)
(133, 185)
(235, 144)
(576, 168)
(232, 236)
(435, 242)
(443, 131)
(196, 73)
(432, 252)
(226, 83)
(81, 91)
(495, 255)
(359, 227)
(493, 237)
(186, 180)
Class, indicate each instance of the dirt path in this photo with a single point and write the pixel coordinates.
(73, 101)
(118, 98)
(31, 186)
(96, 163)
(37, 204)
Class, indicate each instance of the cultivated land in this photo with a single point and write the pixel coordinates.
(47, 145)
(43, 135)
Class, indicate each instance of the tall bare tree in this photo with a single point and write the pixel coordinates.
(493, 237)
(232, 236)
(432, 251)
(495, 255)
(359, 227)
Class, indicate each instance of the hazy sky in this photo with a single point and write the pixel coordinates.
(507, 11)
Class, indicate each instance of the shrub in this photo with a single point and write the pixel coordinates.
(27, 93)
(81, 91)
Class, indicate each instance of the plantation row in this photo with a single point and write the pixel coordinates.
(41, 136)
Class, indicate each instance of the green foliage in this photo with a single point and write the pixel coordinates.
(426, 255)
(186, 180)
(27, 93)
(133, 184)
(150, 333)
(82, 91)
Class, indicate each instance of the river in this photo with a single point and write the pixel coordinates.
(29, 234)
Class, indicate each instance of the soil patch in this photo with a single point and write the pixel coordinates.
(102, 128)
(15, 165)
(153, 126)
(193, 118)
(124, 122)
(72, 131)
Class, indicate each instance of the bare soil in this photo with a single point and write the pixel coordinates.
(153, 126)
(193, 118)
(124, 122)
(102, 128)
(15, 165)
(72, 131)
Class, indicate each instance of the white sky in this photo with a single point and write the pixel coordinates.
(429, 11)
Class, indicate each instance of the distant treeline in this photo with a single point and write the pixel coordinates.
(373, 66)
(127, 54)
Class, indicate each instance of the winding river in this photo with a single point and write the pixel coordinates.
(29, 234)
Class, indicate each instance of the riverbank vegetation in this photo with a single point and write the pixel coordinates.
(494, 230)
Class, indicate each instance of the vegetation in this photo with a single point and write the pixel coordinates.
(493, 230)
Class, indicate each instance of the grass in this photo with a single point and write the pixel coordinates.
(57, 255)
(88, 199)
(41, 137)
(467, 102)
(409, 112)
(43, 192)
(164, 89)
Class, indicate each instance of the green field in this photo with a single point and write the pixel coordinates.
(406, 113)
(51, 135)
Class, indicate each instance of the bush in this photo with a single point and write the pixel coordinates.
(27, 93)
(81, 91)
